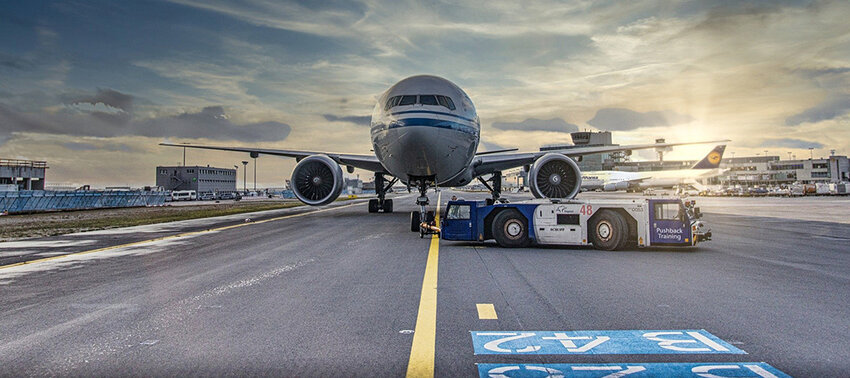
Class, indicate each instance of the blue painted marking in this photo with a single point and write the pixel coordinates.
(433, 112)
(429, 122)
(703, 369)
(601, 342)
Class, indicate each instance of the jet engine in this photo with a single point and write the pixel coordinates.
(317, 180)
(613, 187)
(554, 176)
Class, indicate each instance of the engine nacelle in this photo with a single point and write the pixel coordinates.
(554, 176)
(613, 187)
(317, 180)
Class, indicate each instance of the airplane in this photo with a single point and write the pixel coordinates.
(609, 181)
(425, 133)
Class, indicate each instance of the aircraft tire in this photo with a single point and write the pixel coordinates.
(609, 231)
(510, 229)
(373, 205)
(414, 221)
(388, 206)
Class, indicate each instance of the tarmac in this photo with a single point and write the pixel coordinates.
(335, 291)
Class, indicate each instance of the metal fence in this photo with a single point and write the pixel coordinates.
(25, 201)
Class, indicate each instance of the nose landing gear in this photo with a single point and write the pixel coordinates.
(423, 220)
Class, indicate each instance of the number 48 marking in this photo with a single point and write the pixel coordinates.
(586, 210)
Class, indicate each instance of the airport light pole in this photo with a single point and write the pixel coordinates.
(235, 175)
(244, 175)
(811, 153)
(254, 156)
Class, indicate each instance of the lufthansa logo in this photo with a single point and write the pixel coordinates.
(714, 158)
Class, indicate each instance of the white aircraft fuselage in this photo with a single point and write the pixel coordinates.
(425, 127)
(592, 180)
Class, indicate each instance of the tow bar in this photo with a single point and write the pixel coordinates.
(427, 229)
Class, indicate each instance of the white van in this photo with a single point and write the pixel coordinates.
(184, 195)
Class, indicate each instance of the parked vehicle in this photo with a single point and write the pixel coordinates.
(184, 195)
(229, 196)
(206, 196)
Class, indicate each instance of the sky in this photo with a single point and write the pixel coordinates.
(92, 87)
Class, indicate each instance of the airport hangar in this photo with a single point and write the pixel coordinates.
(22, 174)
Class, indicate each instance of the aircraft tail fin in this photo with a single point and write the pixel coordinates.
(712, 160)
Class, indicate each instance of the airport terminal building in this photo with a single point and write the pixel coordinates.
(759, 170)
(197, 178)
(770, 170)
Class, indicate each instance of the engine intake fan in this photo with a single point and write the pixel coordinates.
(317, 180)
(554, 176)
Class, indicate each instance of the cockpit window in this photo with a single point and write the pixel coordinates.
(435, 100)
(392, 101)
(428, 100)
(407, 100)
(446, 101)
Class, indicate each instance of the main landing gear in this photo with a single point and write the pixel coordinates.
(381, 204)
(495, 189)
(422, 218)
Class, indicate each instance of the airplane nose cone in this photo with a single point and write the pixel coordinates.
(423, 151)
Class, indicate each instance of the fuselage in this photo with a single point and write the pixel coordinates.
(592, 180)
(425, 127)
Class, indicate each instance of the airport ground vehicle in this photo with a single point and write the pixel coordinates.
(229, 196)
(184, 195)
(608, 224)
(206, 196)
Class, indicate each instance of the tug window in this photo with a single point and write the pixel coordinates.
(668, 211)
(458, 212)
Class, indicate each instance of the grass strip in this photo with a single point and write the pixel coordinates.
(50, 224)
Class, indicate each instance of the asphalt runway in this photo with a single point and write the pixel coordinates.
(337, 293)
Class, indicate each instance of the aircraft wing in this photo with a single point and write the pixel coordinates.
(367, 162)
(496, 162)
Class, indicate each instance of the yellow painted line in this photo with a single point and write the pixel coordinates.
(185, 234)
(486, 311)
(421, 363)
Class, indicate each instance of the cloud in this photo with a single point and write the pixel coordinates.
(790, 143)
(108, 97)
(488, 146)
(619, 119)
(533, 124)
(85, 146)
(829, 109)
(359, 120)
(814, 72)
(210, 122)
